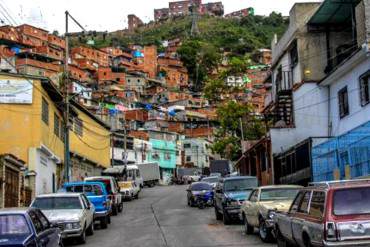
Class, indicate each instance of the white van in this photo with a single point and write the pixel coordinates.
(133, 174)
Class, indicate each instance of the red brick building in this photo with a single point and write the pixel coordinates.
(134, 22)
(97, 56)
(161, 14)
(240, 13)
(150, 61)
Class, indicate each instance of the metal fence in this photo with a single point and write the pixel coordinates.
(345, 156)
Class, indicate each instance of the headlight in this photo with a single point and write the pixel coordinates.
(71, 226)
(271, 214)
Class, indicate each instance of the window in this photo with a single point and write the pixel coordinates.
(45, 111)
(365, 88)
(187, 145)
(294, 55)
(343, 102)
(254, 196)
(44, 221)
(78, 126)
(303, 208)
(56, 125)
(36, 222)
(188, 158)
(296, 202)
(167, 156)
(317, 204)
(62, 131)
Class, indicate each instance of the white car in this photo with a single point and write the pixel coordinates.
(129, 189)
(72, 212)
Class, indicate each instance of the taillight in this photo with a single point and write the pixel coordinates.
(331, 233)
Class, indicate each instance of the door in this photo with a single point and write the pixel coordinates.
(250, 206)
(51, 235)
(89, 210)
(285, 223)
(42, 237)
(315, 224)
(11, 188)
(300, 217)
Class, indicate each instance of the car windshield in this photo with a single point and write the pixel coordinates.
(13, 225)
(50, 203)
(351, 201)
(278, 194)
(89, 190)
(210, 180)
(201, 186)
(240, 184)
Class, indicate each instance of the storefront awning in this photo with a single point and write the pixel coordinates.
(333, 12)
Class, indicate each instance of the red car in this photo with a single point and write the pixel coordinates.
(327, 214)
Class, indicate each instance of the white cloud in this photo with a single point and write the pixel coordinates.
(111, 15)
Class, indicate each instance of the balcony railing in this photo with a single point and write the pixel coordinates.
(284, 81)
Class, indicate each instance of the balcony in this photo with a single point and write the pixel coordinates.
(284, 82)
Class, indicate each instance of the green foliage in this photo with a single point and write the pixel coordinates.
(229, 116)
(228, 147)
(214, 88)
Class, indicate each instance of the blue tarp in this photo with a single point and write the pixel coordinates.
(351, 149)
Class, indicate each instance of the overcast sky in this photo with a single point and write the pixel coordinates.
(111, 15)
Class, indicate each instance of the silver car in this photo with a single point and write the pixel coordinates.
(72, 212)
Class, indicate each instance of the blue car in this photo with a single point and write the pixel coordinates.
(200, 194)
(27, 227)
(230, 193)
(97, 194)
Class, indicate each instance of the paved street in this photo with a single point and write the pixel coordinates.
(161, 218)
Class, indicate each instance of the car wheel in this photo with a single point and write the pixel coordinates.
(61, 243)
(306, 241)
(120, 208)
(82, 238)
(281, 242)
(218, 214)
(264, 232)
(90, 230)
(109, 219)
(137, 196)
(248, 229)
(226, 218)
(104, 222)
(114, 210)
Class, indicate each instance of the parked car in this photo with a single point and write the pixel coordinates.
(327, 214)
(199, 192)
(27, 227)
(211, 180)
(258, 210)
(72, 212)
(113, 191)
(129, 190)
(230, 193)
(98, 195)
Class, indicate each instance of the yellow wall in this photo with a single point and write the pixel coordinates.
(94, 143)
(21, 127)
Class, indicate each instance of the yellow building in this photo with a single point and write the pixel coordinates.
(89, 143)
(31, 128)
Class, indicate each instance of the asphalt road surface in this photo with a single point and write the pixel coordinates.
(161, 218)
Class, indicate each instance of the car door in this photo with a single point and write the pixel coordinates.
(218, 196)
(299, 218)
(89, 210)
(52, 232)
(315, 225)
(252, 208)
(42, 236)
(285, 223)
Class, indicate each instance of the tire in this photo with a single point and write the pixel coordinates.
(264, 232)
(120, 208)
(137, 196)
(104, 222)
(226, 218)
(82, 238)
(218, 214)
(114, 210)
(109, 219)
(90, 229)
(306, 241)
(61, 243)
(248, 229)
(281, 242)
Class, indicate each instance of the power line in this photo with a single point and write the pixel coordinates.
(3, 6)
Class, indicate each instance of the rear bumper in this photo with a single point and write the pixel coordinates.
(348, 243)
(101, 214)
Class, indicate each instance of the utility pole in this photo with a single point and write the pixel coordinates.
(66, 104)
(67, 168)
(194, 16)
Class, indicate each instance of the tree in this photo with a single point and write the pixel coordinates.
(214, 88)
